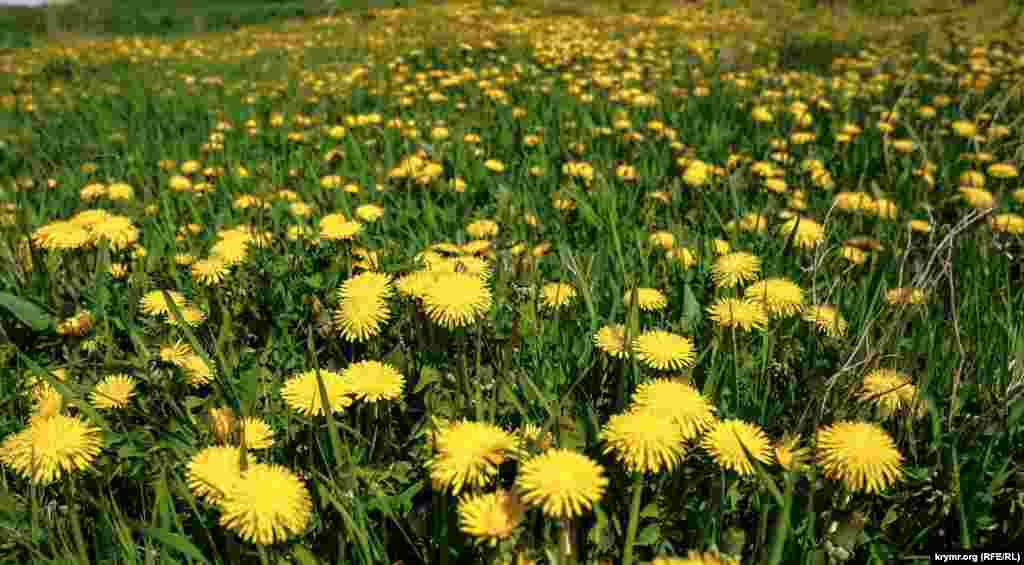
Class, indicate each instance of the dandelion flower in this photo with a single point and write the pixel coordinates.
(647, 299)
(468, 454)
(663, 239)
(190, 315)
(890, 390)
(683, 256)
(861, 455)
(52, 447)
(978, 198)
(724, 441)
(696, 558)
(267, 505)
(231, 251)
(369, 213)
(115, 391)
(222, 422)
(153, 302)
(481, 229)
(742, 313)
(302, 392)
(491, 517)
(1007, 223)
(664, 350)
(211, 471)
(118, 231)
(372, 381)
(368, 284)
(46, 401)
(735, 268)
(678, 401)
(790, 454)
(563, 482)
(906, 295)
(644, 441)
(210, 271)
(557, 295)
(808, 232)
(781, 297)
(175, 353)
(457, 300)
(612, 340)
(197, 372)
(336, 227)
(361, 317)
(61, 235)
(1003, 170)
(415, 284)
(827, 319)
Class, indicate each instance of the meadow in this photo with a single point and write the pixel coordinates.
(511, 282)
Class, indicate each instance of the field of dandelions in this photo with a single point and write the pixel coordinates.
(482, 284)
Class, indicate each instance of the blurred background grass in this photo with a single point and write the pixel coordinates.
(25, 26)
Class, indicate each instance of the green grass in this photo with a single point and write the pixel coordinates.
(112, 110)
(21, 27)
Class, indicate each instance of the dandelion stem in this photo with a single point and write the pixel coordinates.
(735, 370)
(567, 545)
(76, 523)
(634, 520)
(782, 525)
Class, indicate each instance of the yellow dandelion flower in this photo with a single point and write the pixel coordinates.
(664, 350)
(338, 227)
(564, 483)
(1007, 223)
(827, 319)
(684, 256)
(457, 300)
(153, 303)
(363, 307)
(50, 448)
(61, 235)
(372, 381)
(175, 353)
(212, 470)
(735, 268)
(197, 372)
(644, 441)
(612, 340)
(266, 505)
(557, 295)
(742, 313)
(301, 392)
(468, 454)
(678, 401)
(906, 295)
(482, 229)
(890, 391)
(647, 299)
(724, 440)
(210, 271)
(861, 455)
(808, 232)
(663, 239)
(114, 391)
(492, 517)
(978, 198)
(790, 454)
(781, 297)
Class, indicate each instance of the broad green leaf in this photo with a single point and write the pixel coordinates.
(176, 542)
(648, 536)
(31, 315)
